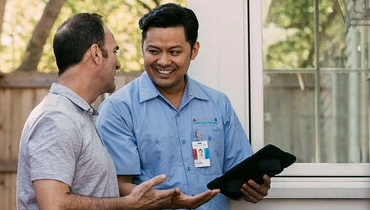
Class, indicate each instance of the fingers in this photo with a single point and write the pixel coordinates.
(148, 198)
(159, 179)
(148, 185)
(181, 200)
(172, 198)
(254, 192)
(206, 195)
(267, 181)
(202, 198)
(250, 194)
(177, 192)
(146, 188)
(263, 188)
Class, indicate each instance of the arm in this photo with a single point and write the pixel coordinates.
(254, 192)
(125, 184)
(55, 195)
(178, 200)
(237, 145)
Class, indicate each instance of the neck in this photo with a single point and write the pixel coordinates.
(174, 95)
(79, 83)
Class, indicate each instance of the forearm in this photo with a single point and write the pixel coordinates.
(55, 195)
(125, 189)
(73, 201)
(125, 184)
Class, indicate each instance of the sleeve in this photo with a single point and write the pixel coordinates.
(115, 126)
(54, 145)
(237, 146)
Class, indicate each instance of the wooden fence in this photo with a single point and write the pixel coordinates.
(19, 94)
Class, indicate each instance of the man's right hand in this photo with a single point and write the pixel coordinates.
(181, 200)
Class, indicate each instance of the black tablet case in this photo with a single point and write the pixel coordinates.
(269, 160)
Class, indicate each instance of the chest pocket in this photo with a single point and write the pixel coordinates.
(214, 135)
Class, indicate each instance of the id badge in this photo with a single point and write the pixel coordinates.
(201, 154)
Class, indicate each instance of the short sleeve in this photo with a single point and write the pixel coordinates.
(115, 126)
(53, 145)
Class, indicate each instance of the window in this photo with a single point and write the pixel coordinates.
(316, 98)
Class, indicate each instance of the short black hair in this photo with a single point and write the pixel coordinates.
(171, 15)
(74, 37)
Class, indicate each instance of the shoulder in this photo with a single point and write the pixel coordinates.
(201, 90)
(55, 114)
(128, 90)
(119, 103)
(132, 94)
(53, 121)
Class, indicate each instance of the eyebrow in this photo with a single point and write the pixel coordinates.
(176, 46)
(172, 47)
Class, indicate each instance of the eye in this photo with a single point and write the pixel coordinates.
(153, 51)
(175, 52)
(117, 52)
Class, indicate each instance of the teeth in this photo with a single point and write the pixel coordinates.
(164, 71)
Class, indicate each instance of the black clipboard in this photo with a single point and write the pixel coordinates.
(269, 160)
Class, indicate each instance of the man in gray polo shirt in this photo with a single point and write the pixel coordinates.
(63, 164)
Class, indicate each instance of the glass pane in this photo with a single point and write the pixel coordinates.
(343, 122)
(288, 34)
(344, 118)
(289, 113)
(316, 105)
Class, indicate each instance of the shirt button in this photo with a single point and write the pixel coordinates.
(183, 141)
(188, 168)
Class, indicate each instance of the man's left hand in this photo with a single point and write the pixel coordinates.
(253, 192)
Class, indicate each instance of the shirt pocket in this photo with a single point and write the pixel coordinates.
(214, 135)
(159, 155)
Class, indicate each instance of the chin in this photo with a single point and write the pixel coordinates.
(111, 89)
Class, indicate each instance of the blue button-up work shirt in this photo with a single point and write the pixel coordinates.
(147, 136)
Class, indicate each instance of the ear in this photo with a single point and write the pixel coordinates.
(195, 50)
(95, 53)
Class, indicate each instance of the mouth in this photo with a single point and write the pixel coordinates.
(164, 71)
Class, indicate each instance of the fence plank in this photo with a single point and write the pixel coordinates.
(28, 79)
(8, 182)
(8, 166)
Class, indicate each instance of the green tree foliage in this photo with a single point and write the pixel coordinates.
(296, 20)
(121, 16)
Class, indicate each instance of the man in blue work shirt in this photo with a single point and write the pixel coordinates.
(157, 123)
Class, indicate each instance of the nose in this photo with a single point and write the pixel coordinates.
(164, 59)
(118, 66)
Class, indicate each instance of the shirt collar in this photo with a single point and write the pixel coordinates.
(73, 97)
(147, 89)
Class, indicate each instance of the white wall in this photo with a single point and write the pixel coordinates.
(221, 62)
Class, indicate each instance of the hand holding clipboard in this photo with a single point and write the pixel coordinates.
(269, 160)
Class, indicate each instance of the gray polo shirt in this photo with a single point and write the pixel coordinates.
(60, 142)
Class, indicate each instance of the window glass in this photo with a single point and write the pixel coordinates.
(316, 92)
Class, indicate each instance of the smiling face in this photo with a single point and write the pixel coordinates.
(167, 56)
